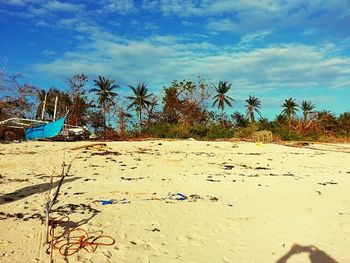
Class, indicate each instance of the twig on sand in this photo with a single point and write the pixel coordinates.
(87, 146)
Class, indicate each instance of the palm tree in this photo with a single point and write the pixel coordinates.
(290, 109)
(172, 104)
(221, 98)
(46, 98)
(41, 96)
(140, 100)
(105, 94)
(306, 107)
(253, 104)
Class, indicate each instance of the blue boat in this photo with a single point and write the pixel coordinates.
(46, 130)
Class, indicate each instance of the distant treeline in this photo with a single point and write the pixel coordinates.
(183, 111)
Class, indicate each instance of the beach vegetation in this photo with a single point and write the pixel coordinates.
(185, 109)
(290, 107)
(253, 105)
(140, 100)
(105, 95)
(221, 98)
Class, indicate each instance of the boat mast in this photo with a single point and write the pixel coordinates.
(44, 105)
(54, 112)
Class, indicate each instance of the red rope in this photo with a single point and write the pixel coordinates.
(71, 241)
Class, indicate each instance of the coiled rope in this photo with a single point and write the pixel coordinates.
(73, 240)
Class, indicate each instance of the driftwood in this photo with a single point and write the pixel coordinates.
(106, 152)
(87, 146)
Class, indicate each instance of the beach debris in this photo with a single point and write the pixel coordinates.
(210, 179)
(73, 240)
(72, 208)
(121, 201)
(228, 167)
(106, 202)
(213, 198)
(177, 196)
(131, 178)
(19, 216)
(106, 152)
(262, 168)
(325, 183)
(79, 193)
(194, 198)
(154, 230)
(88, 146)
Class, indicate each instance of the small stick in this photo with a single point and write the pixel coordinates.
(88, 146)
(47, 211)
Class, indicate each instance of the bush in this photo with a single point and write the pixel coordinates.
(198, 131)
(216, 131)
(160, 130)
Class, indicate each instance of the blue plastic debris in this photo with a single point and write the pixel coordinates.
(106, 202)
(179, 196)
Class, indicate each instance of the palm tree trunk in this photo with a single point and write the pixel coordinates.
(222, 117)
(140, 120)
(104, 118)
(252, 120)
(289, 123)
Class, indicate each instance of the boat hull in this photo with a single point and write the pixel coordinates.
(47, 130)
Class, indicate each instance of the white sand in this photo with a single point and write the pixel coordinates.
(273, 197)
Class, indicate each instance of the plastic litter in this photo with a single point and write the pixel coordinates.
(106, 202)
(178, 196)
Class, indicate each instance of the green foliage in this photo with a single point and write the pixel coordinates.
(243, 132)
(239, 120)
(221, 98)
(217, 131)
(344, 123)
(159, 130)
(253, 105)
(285, 135)
(212, 131)
(263, 124)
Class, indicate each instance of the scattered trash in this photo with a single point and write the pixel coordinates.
(178, 196)
(107, 202)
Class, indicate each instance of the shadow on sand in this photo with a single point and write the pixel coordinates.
(316, 255)
(30, 190)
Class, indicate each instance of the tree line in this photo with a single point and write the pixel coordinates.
(185, 109)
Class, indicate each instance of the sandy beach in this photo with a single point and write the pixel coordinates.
(180, 201)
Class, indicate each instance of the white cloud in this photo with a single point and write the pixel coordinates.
(19, 2)
(63, 6)
(118, 6)
(222, 25)
(160, 59)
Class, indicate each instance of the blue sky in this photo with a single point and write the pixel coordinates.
(272, 49)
